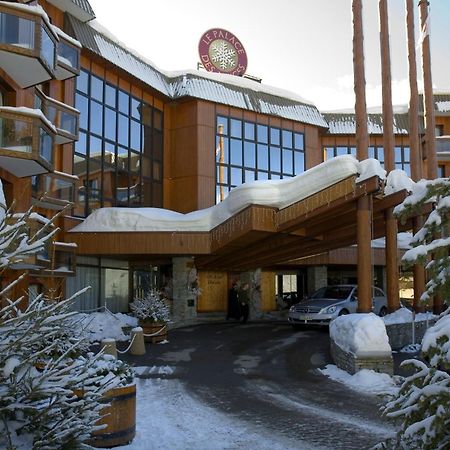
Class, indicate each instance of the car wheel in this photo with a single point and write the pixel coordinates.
(383, 311)
(343, 312)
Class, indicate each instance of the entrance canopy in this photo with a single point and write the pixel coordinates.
(258, 225)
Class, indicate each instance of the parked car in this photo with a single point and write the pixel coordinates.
(330, 302)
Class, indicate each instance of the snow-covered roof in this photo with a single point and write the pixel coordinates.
(219, 88)
(345, 123)
(81, 9)
(273, 193)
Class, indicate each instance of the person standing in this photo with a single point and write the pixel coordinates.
(234, 310)
(244, 301)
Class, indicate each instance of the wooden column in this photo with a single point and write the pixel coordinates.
(362, 137)
(414, 143)
(392, 275)
(388, 116)
(364, 236)
(428, 92)
(418, 271)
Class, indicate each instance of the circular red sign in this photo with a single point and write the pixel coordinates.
(221, 51)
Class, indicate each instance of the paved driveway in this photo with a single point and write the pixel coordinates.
(267, 374)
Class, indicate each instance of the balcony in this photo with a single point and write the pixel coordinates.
(67, 56)
(53, 190)
(61, 261)
(27, 44)
(26, 141)
(62, 116)
(443, 146)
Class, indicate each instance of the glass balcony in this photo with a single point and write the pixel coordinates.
(26, 141)
(62, 116)
(27, 44)
(61, 262)
(53, 190)
(443, 145)
(67, 56)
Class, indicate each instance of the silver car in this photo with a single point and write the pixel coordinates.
(332, 301)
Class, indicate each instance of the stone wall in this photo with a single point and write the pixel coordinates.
(400, 334)
(379, 362)
(184, 293)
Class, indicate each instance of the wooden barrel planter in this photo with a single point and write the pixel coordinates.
(119, 418)
(152, 328)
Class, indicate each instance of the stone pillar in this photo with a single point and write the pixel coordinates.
(185, 287)
(253, 279)
(364, 235)
(317, 277)
(393, 300)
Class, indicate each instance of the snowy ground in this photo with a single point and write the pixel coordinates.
(168, 417)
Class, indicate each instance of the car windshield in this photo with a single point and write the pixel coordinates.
(333, 292)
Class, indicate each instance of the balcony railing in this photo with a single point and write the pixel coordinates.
(62, 116)
(27, 44)
(53, 190)
(67, 56)
(26, 141)
(443, 145)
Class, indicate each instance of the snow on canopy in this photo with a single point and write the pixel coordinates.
(360, 334)
(272, 193)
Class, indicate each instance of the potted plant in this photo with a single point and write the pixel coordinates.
(153, 314)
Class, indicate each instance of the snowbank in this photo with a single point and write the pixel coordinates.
(365, 380)
(104, 325)
(440, 332)
(398, 180)
(273, 193)
(404, 315)
(360, 334)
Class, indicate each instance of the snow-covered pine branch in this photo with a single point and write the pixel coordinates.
(151, 307)
(432, 242)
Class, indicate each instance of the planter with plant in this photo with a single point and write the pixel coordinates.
(153, 314)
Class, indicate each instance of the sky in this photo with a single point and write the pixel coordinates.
(302, 46)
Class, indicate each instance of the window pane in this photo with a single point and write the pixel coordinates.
(236, 152)
(275, 136)
(80, 145)
(222, 152)
(135, 108)
(110, 124)
(82, 81)
(263, 157)
(274, 176)
(353, 151)
(287, 139)
(249, 154)
(236, 128)
(122, 130)
(81, 103)
(262, 134)
(398, 154)
(124, 100)
(222, 121)
(249, 131)
(299, 163)
(236, 176)
(275, 159)
(95, 147)
(329, 152)
(222, 174)
(97, 88)
(288, 165)
(406, 154)
(96, 118)
(110, 95)
(299, 141)
(341, 151)
(371, 152)
(263, 175)
(135, 134)
(380, 154)
(249, 176)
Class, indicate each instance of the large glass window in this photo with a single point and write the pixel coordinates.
(119, 155)
(246, 151)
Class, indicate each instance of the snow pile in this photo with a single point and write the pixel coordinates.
(397, 180)
(273, 193)
(369, 168)
(360, 334)
(404, 315)
(419, 191)
(403, 241)
(104, 325)
(365, 380)
(436, 341)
